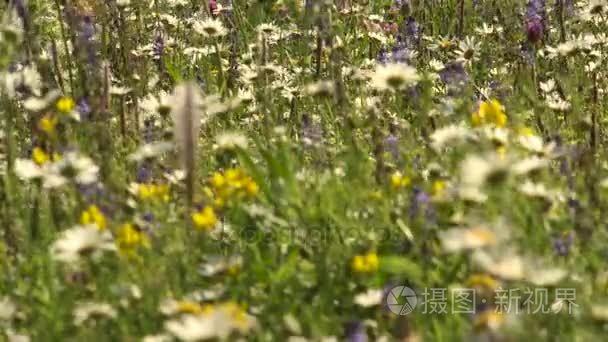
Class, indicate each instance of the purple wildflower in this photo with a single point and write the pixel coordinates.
(83, 108)
(88, 29)
(355, 332)
(536, 20)
(150, 131)
(158, 49)
(401, 53)
(392, 145)
(421, 203)
(419, 199)
(534, 30)
(453, 73)
(527, 52)
(411, 32)
(383, 57)
(144, 173)
(562, 244)
(148, 217)
(455, 77)
(87, 39)
(92, 192)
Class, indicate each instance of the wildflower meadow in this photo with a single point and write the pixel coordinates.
(303, 170)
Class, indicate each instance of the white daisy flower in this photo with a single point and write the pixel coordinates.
(218, 322)
(476, 170)
(94, 311)
(467, 51)
(211, 28)
(548, 86)
(267, 28)
(81, 242)
(151, 150)
(38, 104)
(231, 140)
(450, 135)
(370, 298)
(528, 165)
(544, 276)
(160, 103)
(395, 76)
(320, 88)
(27, 169)
(79, 167)
(218, 264)
(477, 236)
(507, 266)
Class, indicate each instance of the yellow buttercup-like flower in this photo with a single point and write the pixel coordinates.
(39, 156)
(398, 180)
(93, 215)
(205, 219)
(366, 263)
(47, 124)
(65, 105)
(130, 238)
(490, 112)
(232, 184)
(153, 192)
(438, 187)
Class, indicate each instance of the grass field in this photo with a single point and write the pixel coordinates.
(288, 170)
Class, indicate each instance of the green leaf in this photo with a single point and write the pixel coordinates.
(401, 266)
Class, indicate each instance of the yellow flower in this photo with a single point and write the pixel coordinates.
(219, 203)
(218, 180)
(252, 188)
(65, 105)
(205, 219)
(144, 191)
(232, 184)
(39, 156)
(490, 112)
(445, 43)
(153, 191)
(366, 263)
(129, 238)
(233, 175)
(438, 187)
(47, 124)
(398, 180)
(93, 215)
(162, 192)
